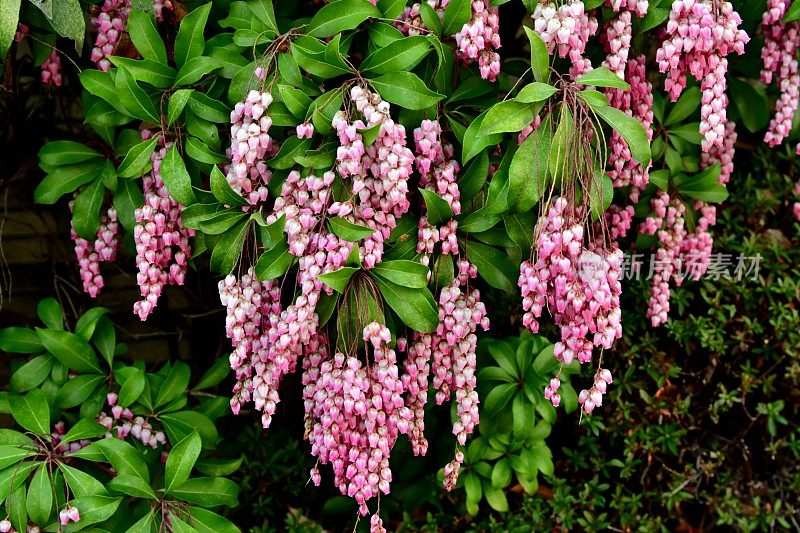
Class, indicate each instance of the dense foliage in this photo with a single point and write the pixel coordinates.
(371, 186)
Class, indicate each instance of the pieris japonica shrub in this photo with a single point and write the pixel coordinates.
(358, 174)
(100, 442)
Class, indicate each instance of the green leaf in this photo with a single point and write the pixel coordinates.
(105, 339)
(76, 390)
(132, 486)
(430, 18)
(263, 10)
(456, 14)
(122, 456)
(523, 415)
(174, 384)
(410, 274)
(69, 21)
(792, 13)
(87, 322)
(208, 108)
(144, 35)
(132, 387)
(528, 177)
(405, 89)
(144, 524)
(95, 509)
(73, 351)
(496, 498)
(31, 411)
(65, 179)
(507, 116)
(176, 177)
(32, 373)
(347, 230)
(438, 210)
(14, 476)
(208, 491)
(501, 474)
(190, 42)
(291, 147)
(86, 428)
(498, 398)
(40, 496)
(474, 177)
(399, 55)
(179, 526)
(228, 249)
(535, 92)
(222, 190)
(205, 521)
(603, 77)
(601, 193)
(415, 307)
(218, 467)
(321, 159)
(127, 200)
(137, 160)
(195, 68)
(593, 98)
(391, 9)
(493, 266)
(147, 71)
(180, 424)
(655, 17)
(85, 210)
(684, 107)
(337, 280)
(540, 60)
(199, 151)
(57, 153)
(296, 100)
(80, 483)
(16, 507)
(19, 340)
(180, 462)
(214, 375)
(520, 227)
(341, 15)
(751, 103)
(133, 97)
(50, 313)
(630, 129)
(11, 455)
(704, 186)
(177, 101)
(9, 17)
(274, 262)
(324, 108)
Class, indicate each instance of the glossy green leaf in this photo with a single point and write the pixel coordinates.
(603, 77)
(410, 274)
(493, 266)
(630, 129)
(347, 230)
(72, 350)
(131, 486)
(208, 491)
(528, 173)
(399, 55)
(415, 307)
(86, 428)
(540, 60)
(31, 411)
(144, 35)
(133, 98)
(77, 389)
(56, 153)
(507, 116)
(438, 210)
(274, 262)
(405, 89)
(190, 42)
(176, 177)
(19, 340)
(535, 92)
(180, 462)
(32, 373)
(338, 279)
(80, 483)
(40, 496)
(341, 15)
(137, 160)
(456, 14)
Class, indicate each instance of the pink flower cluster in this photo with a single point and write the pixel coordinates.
(162, 242)
(90, 255)
(479, 39)
(68, 514)
(781, 42)
(22, 31)
(530, 128)
(109, 24)
(796, 206)
(668, 222)
(700, 34)
(435, 165)
(250, 143)
(305, 130)
(51, 69)
(59, 430)
(551, 391)
(126, 423)
(638, 103)
(589, 399)
(379, 172)
(565, 29)
(722, 154)
(580, 285)
(251, 307)
(410, 21)
(639, 7)
(357, 413)
(451, 349)
(617, 42)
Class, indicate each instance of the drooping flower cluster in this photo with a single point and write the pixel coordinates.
(617, 42)
(357, 413)
(580, 285)
(781, 42)
(250, 306)
(379, 172)
(162, 241)
(668, 222)
(722, 155)
(449, 354)
(51, 69)
(250, 143)
(639, 7)
(638, 103)
(68, 514)
(91, 254)
(410, 21)
(565, 30)
(305, 130)
(479, 39)
(57, 435)
(699, 36)
(109, 23)
(593, 397)
(796, 206)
